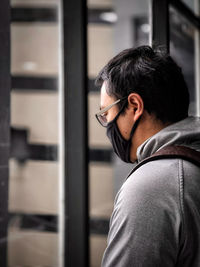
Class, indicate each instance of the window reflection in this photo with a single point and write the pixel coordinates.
(182, 49)
(113, 26)
(33, 233)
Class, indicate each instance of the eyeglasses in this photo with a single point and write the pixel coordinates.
(101, 116)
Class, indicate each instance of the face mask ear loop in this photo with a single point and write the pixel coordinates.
(131, 135)
(134, 128)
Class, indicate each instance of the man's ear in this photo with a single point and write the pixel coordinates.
(136, 105)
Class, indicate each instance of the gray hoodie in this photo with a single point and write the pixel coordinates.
(156, 216)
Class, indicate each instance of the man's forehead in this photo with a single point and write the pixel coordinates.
(104, 87)
(105, 99)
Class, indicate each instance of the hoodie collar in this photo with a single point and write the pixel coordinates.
(185, 132)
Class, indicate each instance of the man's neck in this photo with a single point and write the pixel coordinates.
(147, 127)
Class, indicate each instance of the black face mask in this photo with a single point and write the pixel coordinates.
(120, 145)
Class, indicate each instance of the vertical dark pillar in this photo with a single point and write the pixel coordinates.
(76, 155)
(160, 23)
(5, 83)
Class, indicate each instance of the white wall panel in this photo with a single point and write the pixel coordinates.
(31, 248)
(97, 247)
(99, 3)
(101, 189)
(34, 49)
(33, 187)
(100, 47)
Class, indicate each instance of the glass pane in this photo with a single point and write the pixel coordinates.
(35, 176)
(182, 49)
(113, 26)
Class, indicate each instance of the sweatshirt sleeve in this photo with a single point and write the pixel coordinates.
(146, 220)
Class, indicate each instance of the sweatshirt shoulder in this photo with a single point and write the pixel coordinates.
(157, 172)
(157, 179)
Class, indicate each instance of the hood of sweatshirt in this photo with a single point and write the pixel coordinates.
(185, 132)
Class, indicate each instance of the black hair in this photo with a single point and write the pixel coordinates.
(152, 74)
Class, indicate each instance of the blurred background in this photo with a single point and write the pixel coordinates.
(58, 174)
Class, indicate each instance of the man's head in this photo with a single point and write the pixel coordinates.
(154, 76)
(143, 91)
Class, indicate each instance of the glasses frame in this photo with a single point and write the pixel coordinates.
(107, 108)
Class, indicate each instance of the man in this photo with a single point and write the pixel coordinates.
(156, 216)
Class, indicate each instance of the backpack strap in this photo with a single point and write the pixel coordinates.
(172, 152)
